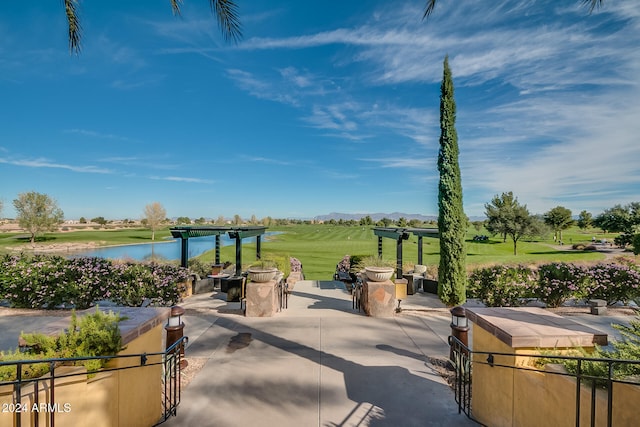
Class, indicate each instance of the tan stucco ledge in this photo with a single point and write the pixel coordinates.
(137, 320)
(532, 327)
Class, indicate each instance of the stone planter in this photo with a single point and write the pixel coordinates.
(378, 274)
(260, 275)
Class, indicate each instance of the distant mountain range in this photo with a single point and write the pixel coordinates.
(374, 216)
(378, 216)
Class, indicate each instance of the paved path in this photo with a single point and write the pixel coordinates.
(318, 363)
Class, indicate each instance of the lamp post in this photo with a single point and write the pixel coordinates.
(175, 330)
(459, 327)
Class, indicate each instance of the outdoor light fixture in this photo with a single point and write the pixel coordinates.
(401, 292)
(175, 329)
(175, 319)
(459, 328)
(459, 318)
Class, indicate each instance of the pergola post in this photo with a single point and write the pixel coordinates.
(217, 249)
(379, 246)
(399, 256)
(420, 250)
(238, 254)
(184, 253)
(258, 256)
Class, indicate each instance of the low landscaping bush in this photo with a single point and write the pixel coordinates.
(501, 286)
(55, 282)
(628, 348)
(555, 283)
(558, 282)
(613, 282)
(95, 334)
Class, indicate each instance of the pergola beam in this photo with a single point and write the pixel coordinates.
(400, 234)
(238, 233)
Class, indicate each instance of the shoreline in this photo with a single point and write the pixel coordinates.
(74, 247)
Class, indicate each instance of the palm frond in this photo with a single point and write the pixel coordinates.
(175, 6)
(75, 30)
(226, 12)
(593, 4)
(431, 4)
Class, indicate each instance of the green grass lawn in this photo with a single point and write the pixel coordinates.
(101, 237)
(321, 247)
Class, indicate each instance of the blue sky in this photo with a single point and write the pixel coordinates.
(322, 106)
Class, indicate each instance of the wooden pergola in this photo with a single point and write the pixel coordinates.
(238, 233)
(399, 234)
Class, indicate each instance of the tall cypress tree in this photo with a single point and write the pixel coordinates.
(452, 276)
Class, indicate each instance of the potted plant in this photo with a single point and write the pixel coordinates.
(262, 271)
(377, 269)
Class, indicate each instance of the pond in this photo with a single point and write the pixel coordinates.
(167, 250)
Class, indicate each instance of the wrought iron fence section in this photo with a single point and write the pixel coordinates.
(170, 360)
(461, 356)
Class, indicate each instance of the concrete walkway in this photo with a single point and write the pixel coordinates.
(318, 363)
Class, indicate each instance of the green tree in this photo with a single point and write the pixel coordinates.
(37, 213)
(183, 220)
(477, 225)
(415, 223)
(585, 220)
(558, 218)
(100, 220)
(452, 222)
(402, 222)
(625, 219)
(154, 216)
(82, 220)
(200, 220)
(513, 219)
(592, 4)
(226, 12)
(386, 222)
(636, 244)
(498, 212)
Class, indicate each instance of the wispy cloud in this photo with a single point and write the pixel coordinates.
(99, 135)
(267, 160)
(45, 163)
(189, 180)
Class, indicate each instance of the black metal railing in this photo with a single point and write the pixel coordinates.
(463, 364)
(45, 412)
(282, 291)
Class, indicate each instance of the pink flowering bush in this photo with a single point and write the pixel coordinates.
(53, 281)
(557, 282)
(501, 285)
(613, 282)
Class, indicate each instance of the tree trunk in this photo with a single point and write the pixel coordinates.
(515, 247)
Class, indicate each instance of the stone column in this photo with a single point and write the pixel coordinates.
(379, 298)
(262, 299)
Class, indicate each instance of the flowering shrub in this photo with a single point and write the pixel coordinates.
(613, 282)
(296, 265)
(558, 282)
(501, 286)
(51, 281)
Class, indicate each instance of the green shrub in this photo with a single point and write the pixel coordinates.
(613, 282)
(501, 286)
(95, 334)
(628, 348)
(558, 282)
(51, 282)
